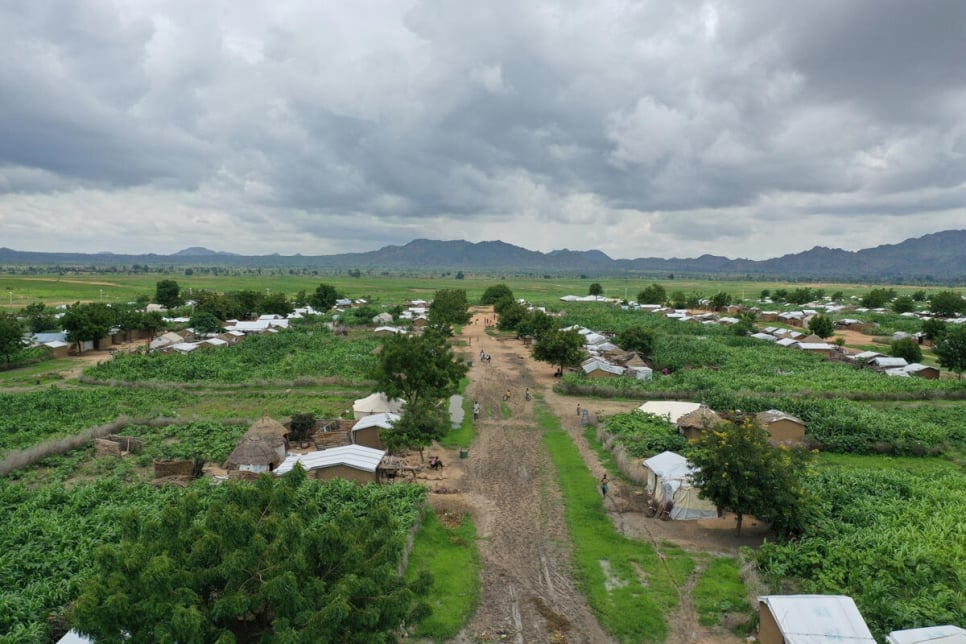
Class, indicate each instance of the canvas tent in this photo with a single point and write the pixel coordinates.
(929, 635)
(669, 480)
(670, 409)
(376, 403)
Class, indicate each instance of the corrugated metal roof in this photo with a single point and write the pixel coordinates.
(383, 420)
(358, 457)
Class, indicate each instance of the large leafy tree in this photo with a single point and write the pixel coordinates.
(720, 300)
(739, 470)
(637, 339)
(449, 307)
(92, 321)
(595, 289)
(205, 323)
(222, 306)
(560, 348)
(820, 325)
(511, 314)
(262, 562)
(419, 425)
(418, 368)
(950, 348)
(878, 297)
(40, 318)
(653, 294)
(495, 293)
(167, 293)
(933, 329)
(907, 348)
(324, 297)
(946, 303)
(11, 337)
(275, 303)
(536, 323)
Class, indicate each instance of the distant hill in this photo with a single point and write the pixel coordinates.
(935, 258)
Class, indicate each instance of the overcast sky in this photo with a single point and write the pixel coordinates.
(642, 129)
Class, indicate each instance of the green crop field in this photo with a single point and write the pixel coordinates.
(890, 475)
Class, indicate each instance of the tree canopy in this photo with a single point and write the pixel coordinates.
(946, 303)
(820, 325)
(595, 289)
(11, 337)
(324, 297)
(167, 293)
(494, 293)
(637, 339)
(653, 294)
(739, 470)
(40, 318)
(418, 368)
(205, 323)
(907, 348)
(449, 307)
(260, 562)
(561, 348)
(91, 321)
(950, 348)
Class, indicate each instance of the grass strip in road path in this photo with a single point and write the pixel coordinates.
(451, 556)
(719, 591)
(629, 586)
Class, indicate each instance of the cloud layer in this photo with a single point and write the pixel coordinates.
(639, 128)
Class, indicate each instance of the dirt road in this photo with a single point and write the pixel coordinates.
(508, 485)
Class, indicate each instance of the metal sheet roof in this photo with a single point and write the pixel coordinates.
(358, 457)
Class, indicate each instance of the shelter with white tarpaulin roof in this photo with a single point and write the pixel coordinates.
(946, 634)
(669, 482)
(351, 462)
(811, 619)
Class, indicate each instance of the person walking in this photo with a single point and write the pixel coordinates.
(603, 485)
(578, 409)
(527, 396)
(506, 396)
(476, 410)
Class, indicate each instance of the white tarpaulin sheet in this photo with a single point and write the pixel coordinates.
(669, 479)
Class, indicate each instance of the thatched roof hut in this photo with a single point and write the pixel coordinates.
(254, 454)
(267, 426)
(694, 423)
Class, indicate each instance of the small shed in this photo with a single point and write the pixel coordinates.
(376, 403)
(253, 454)
(352, 462)
(946, 634)
(598, 368)
(811, 619)
(782, 428)
(694, 423)
(922, 371)
(58, 349)
(669, 483)
(366, 431)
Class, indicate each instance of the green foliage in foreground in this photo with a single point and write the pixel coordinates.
(451, 557)
(31, 417)
(209, 441)
(285, 356)
(49, 535)
(895, 541)
(627, 609)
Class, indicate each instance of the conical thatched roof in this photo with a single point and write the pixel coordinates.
(267, 426)
(700, 418)
(253, 451)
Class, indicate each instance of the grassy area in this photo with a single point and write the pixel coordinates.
(39, 373)
(720, 592)
(463, 435)
(450, 555)
(628, 584)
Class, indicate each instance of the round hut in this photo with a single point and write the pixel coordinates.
(253, 454)
(695, 423)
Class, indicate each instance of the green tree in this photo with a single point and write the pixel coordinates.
(86, 322)
(537, 324)
(275, 304)
(167, 293)
(511, 314)
(907, 348)
(919, 296)
(950, 348)
(595, 289)
(205, 323)
(263, 561)
(801, 295)
(40, 318)
(739, 470)
(152, 322)
(653, 294)
(820, 325)
(222, 306)
(418, 426)
(765, 293)
(933, 328)
(247, 302)
(946, 304)
(878, 297)
(560, 348)
(678, 299)
(324, 297)
(301, 426)
(720, 300)
(903, 304)
(418, 368)
(636, 338)
(11, 337)
(494, 293)
(449, 307)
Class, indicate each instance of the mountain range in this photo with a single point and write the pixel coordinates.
(934, 258)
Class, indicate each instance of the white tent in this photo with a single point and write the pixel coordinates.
(811, 619)
(383, 420)
(357, 457)
(670, 409)
(376, 403)
(669, 479)
(930, 634)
